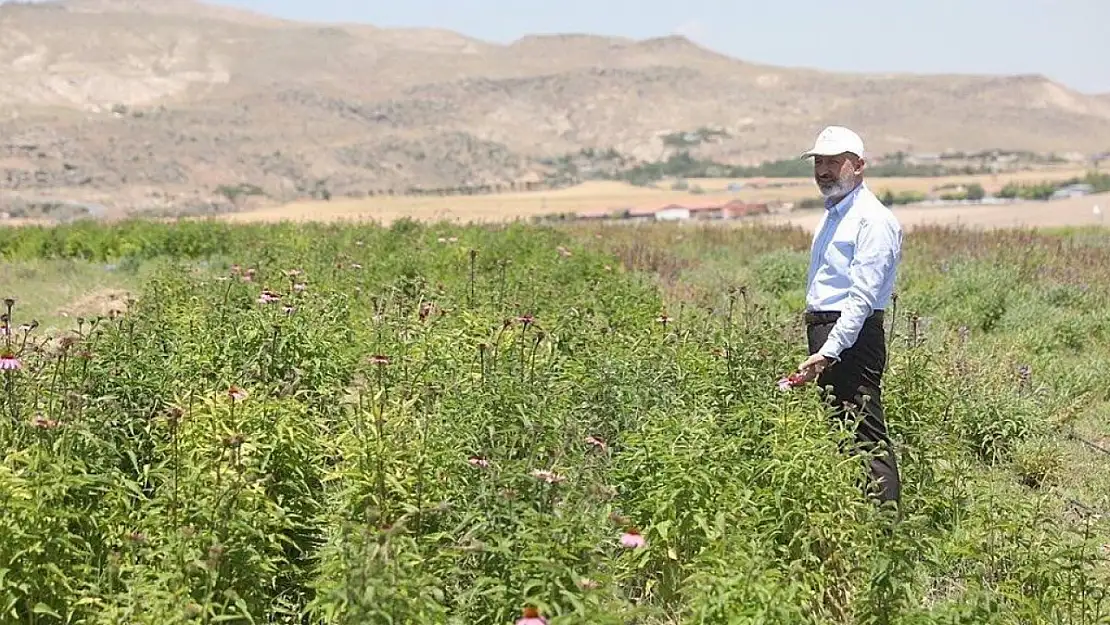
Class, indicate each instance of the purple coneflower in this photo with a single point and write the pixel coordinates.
(531, 617)
(379, 359)
(268, 297)
(547, 476)
(299, 287)
(477, 461)
(236, 393)
(632, 539)
(8, 362)
(791, 381)
(43, 423)
(596, 442)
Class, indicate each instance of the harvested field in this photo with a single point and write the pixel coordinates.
(593, 197)
(1051, 214)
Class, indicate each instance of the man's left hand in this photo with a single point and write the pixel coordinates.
(813, 366)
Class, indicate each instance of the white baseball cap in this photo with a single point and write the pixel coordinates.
(835, 140)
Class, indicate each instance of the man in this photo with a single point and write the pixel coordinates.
(853, 263)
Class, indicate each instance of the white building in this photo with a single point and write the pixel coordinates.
(672, 213)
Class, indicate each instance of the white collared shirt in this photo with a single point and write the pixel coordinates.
(853, 265)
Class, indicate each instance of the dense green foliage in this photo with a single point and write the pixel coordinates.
(1099, 182)
(435, 424)
(590, 163)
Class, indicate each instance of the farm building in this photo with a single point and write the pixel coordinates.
(673, 212)
(735, 209)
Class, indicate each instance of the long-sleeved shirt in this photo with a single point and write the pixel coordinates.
(853, 265)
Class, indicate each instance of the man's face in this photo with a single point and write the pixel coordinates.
(836, 175)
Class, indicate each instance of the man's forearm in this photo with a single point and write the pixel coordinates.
(878, 248)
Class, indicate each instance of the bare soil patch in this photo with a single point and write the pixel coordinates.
(100, 303)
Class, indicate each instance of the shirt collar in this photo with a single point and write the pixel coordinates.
(843, 204)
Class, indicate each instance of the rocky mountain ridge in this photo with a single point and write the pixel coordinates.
(131, 103)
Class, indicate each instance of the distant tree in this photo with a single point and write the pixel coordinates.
(1099, 181)
(909, 197)
(975, 191)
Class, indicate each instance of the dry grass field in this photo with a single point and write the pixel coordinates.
(795, 189)
(593, 197)
(1051, 214)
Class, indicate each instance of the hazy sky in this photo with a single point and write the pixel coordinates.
(1066, 40)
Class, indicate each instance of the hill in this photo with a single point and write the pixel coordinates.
(135, 104)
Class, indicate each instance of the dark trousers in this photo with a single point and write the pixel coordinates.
(860, 373)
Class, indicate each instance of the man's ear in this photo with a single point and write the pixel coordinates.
(861, 164)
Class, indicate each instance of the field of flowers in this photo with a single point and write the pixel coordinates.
(464, 425)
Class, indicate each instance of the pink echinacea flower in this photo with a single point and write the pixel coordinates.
(793, 380)
(547, 476)
(43, 423)
(632, 539)
(8, 362)
(531, 617)
(596, 442)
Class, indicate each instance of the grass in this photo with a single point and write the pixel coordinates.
(56, 292)
(445, 424)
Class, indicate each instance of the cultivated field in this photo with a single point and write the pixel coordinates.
(430, 423)
(593, 197)
(1078, 211)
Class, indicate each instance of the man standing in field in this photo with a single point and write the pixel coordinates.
(853, 263)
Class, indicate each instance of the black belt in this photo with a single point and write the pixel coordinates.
(830, 316)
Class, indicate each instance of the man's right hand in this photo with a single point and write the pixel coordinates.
(812, 367)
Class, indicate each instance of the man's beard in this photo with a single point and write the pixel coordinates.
(836, 188)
